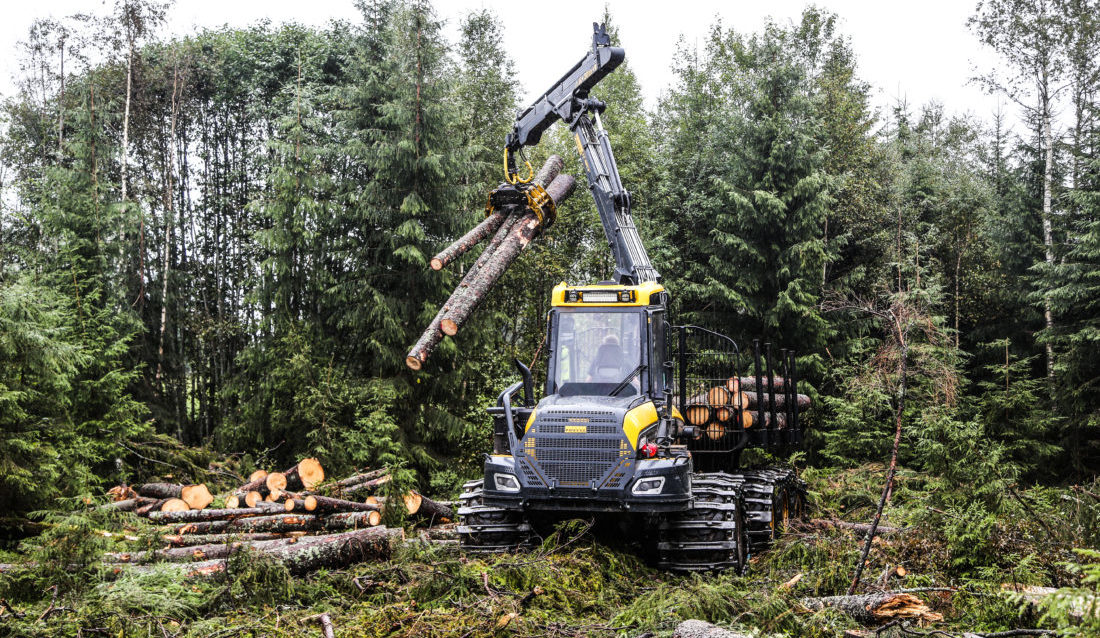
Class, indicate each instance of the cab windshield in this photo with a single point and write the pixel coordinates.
(597, 351)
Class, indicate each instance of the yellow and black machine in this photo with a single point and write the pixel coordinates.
(641, 420)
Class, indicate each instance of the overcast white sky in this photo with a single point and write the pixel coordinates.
(920, 51)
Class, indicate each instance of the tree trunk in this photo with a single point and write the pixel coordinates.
(363, 477)
(159, 490)
(862, 528)
(130, 504)
(366, 487)
(734, 384)
(702, 629)
(875, 608)
(1048, 233)
(802, 401)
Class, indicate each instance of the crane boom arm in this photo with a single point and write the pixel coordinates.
(568, 101)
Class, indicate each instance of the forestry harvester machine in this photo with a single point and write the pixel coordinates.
(642, 422)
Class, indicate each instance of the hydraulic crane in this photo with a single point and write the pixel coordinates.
(641, 421)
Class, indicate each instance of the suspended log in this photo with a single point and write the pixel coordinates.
(190, 540)
(172, 506)
(418, 504)
(802, 401)
(433, 334)
(194, 516)
(875, 608)
(476, 235)
(518, 239)
(304, 476)
(549, 171)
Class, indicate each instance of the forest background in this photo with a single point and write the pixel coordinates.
(220, 242)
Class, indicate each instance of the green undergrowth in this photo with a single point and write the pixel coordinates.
(574, 585)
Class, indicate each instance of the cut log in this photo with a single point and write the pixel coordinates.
(307, 504)
(476, 235)
(130, 504)
(525, 230)
(753, 398)
(275, 481)
(274, 523)
(190, 540)
(197, 497)
(862, 528)
(326, 624)
(434, 511)
(366, 487)
(307, 555)
(274, 496)
(362, 477)
(351, 520)
(549, 171)
(433, 334)
(715, 431)
(258, 485)
(876, 608)
(232, 502)
(194, 516)
(258, 475)
(718, 396)
(749, 383)
(327, 505)
(304, 476)
(701, 629)
(697, 414)
(253, 498)
(172, 506)
(159, 490)
(154, 506)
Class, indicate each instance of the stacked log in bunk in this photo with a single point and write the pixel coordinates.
(293, 516)
(736, 404)
(512, 223)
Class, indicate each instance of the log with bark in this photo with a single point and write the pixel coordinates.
(222, 549)
(190, 540)
(876, 608)
(307, 555)
(194, 516)
(475, 236)
(282, 523)
(862, 528)
(749, 383)
(420, 505)
(701, 629)
(351, 520)
(356, 479)
(753, 400)
(366, 487)
(519, 237)
(130, 504)
(196, 496)
(433, 334)
(329, 505)
(172, 505)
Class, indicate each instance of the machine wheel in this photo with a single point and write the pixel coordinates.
(489, 530)
(711, 535)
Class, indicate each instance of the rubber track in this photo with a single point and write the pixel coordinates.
(711, 535)
(764, 490)
(489, 530)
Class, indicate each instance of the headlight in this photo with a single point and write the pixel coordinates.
(508, 482)
(648, 486)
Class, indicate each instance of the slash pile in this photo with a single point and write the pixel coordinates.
(517, 214)
(293, 516)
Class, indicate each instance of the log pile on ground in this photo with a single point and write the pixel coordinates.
(517, 221)
(294, 516)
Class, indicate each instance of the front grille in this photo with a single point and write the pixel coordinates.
(571, 459)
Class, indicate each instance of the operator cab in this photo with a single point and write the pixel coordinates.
(607, 340)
